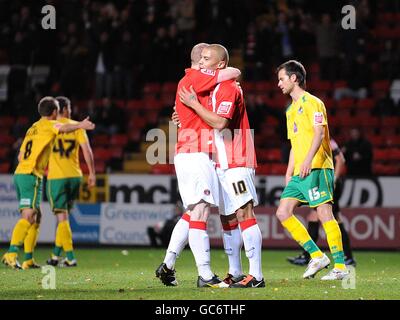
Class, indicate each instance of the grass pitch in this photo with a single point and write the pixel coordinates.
(112, 273)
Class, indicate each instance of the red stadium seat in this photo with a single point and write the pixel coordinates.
(263, 86)
(6, 140)
(4, 152)
(394, 154)
(278, 168)
(391, 140)
(346, 103)
(393, 122)
(135, 104)
(169, 87)
(380, 154)
(340, 84)
(263, 169)
(368, 103)
(102, 154)
(100, 140)
(100, 167)
(376, 140)
(7, 121)
(163, 169)
(152, 88)
(119, 140)
(380, 169)
(381, 86)
(5, 167)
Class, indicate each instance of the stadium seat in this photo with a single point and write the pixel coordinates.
(6, 139)
(5, 167)
(278, 168)
(152, 88)
(393, 122)
(394, 154)
(4, 152)
(271, 155)
(391, 140)
(134, 104)
(119, 140)
(381, 86)
(381, 169)
(248, 87)
(263, 169)
(169, 87)
(100, 167)
(7, 121)
(376, 140)
(339, 84)
(103, 154)
(163, 169)
(100, 140)
(346, 103)
(380, 154)
(368, 103)
(263, 86)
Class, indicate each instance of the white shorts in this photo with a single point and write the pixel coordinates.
(197, 179)
(236, 189)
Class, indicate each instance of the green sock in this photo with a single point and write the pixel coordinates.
(13, 249)
(70, 255)
(57, 251)
(28, 256)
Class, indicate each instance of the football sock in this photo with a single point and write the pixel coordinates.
(252, 240)
(334, 238)
(300, 234)
(19, 233)
(31, 240)
(58, 242)
(346, 241)
(66, 239)
(199, 243)
(178, 241)
(232, 239)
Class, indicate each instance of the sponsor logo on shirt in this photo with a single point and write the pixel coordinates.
(25, 202)
(224, 107)
(208, 72)
(294, 127)
(300, 111)
(318, 118)
(207, 192)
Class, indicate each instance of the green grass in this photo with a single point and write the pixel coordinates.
(108, 274)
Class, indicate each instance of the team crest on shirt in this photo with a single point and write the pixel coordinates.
(224, 107)
(208, 72)
(318, 118)
(300, 111)
(207, 192)
(295, 127)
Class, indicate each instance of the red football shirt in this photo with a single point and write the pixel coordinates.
(234, 144)
(194, 135)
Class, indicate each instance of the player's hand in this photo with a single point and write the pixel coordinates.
(87, 124)
(188, 97)
(305, 169)
(175, 118)
(91, 181)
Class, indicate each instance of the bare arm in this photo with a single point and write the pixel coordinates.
(339, 165)
(319, 134)
(290, 168)
(228, 74)
(89, 159)
(85, 124)
(189, 98)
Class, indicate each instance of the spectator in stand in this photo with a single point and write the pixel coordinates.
(358, 153)
(326, 34)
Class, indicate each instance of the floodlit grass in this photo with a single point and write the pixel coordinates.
(112, 273)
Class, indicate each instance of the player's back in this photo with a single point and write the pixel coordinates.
(35, 148)
(228, 102)
(64, 157)
(192, 126)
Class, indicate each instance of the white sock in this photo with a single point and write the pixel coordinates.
(177, 243)
(252, 240)
(199, 243)
(232, 245)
